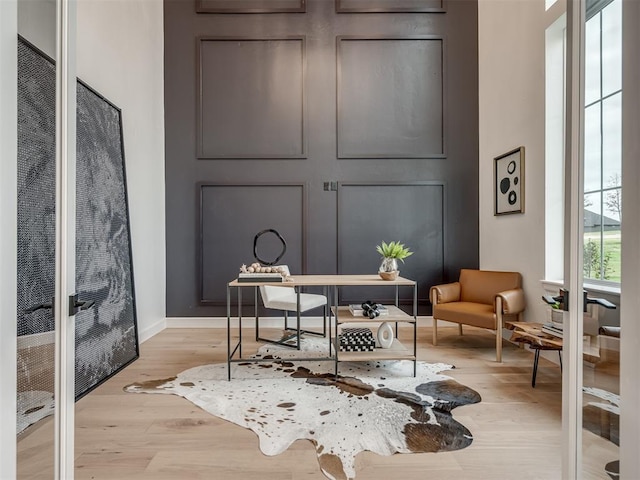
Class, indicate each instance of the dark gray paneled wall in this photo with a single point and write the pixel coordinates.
(263, 108)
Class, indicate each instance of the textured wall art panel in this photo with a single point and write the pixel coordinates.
(390, 97)
(390, 6)
(232, 215)
(411, 213)
(250, 6)
(106, 334)
(251, 98)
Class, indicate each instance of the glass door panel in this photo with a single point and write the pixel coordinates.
(602, 239)
(45, 238)
(36, 231)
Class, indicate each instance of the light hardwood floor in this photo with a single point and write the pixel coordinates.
(516, 428)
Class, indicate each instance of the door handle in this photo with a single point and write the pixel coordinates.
(40, 306)
(76, 305)
(562, 299)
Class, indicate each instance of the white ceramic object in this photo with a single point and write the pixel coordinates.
(385, 335)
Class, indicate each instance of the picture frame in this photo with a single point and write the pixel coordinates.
(508, 178)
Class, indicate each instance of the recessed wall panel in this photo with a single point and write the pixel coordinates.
(390, 6)
(411, 213)
(390, 97)
(251, 98)
(250, 6)
(231, 216)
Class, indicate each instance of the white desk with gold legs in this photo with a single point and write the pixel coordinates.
(337, 315)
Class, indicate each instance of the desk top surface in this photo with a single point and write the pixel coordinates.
(328, 280)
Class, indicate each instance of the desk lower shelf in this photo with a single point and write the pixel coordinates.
(397, 351)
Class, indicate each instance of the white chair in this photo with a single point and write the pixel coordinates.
(286, 298)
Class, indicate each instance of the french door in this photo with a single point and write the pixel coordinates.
(599, 434)
(573, 248)
(65, 238)
(43, 345)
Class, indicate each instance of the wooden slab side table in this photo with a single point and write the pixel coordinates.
(532, 334)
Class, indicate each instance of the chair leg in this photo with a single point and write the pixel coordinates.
(324, 320)
(460, 329)
(435, 331)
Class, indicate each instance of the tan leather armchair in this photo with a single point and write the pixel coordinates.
(480, 298)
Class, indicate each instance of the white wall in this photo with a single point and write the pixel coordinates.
(8, 233)
(37, 24)
(120, 54)
(511, 48)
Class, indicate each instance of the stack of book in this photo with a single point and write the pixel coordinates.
(357, 310)
(552, 328)
(260, 277)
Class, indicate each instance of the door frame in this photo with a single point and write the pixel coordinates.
(630, 300)
(573, 232)
(66, 85)
(8, 233)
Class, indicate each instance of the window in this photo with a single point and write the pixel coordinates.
(555, 67)
(603, 141)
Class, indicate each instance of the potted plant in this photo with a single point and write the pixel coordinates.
(391, 252)
(557, 314)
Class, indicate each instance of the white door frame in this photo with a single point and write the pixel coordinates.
(8, 233)
(66, 85)
(630, 298)
(573, 233)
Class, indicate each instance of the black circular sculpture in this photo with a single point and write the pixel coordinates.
(255, 246)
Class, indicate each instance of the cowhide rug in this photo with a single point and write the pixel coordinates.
(377, 406)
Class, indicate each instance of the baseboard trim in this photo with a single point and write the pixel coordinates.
(36, 340)
(152, 330)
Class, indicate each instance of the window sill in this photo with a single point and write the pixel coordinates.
(554, 285)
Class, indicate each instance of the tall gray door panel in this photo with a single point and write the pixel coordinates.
(339, 123)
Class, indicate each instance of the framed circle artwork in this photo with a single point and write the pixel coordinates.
(509, 182)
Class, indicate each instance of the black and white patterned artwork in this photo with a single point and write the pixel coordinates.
(509, 182)
(106, 334)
